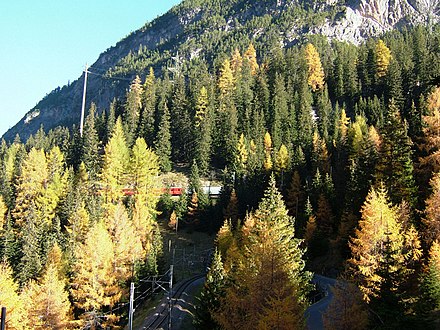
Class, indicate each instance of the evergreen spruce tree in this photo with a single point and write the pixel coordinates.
(147, 115)
(111, 121)
(324, 109)
(280, 130)
(133, 106)
(32, 256)
(202, 131)
(304, 113)
(430, 279)
(181, 128)
(395, 166)
(162, 144)
(226, 118)
(212, 292)
(91, 156)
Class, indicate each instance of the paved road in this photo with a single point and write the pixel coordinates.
(315, 311)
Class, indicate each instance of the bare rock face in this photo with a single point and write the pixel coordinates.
(365, 18)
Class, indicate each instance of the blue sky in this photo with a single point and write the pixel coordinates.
(46, 43)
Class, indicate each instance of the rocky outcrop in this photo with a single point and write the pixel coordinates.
(365, 18)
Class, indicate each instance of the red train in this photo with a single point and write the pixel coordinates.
(212, 191)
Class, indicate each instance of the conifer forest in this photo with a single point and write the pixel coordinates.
(328, 158)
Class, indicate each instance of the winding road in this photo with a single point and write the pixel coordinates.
(315, 311)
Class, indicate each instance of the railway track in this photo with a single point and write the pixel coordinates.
(161, 317)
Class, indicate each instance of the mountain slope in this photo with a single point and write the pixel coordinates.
(207, 29)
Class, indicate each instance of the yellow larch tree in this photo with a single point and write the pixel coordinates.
(343, 125)
(55, 187)
(201, 107)
(242, 153)
(224, 237)
(315, 77)
(46, 301)
(173, 221)
(282, 159)
(383, 58)
(78, 226)
(94, 284)
(9, 298)
(114, 172)
(374, 137)
(267, 152)
(431, 221)
(380, 230)
(250, 55)
(378, 222)
(431, 130)
(3, 211)
(236, 63)
(144, 170)
(127, 245)
(226, 80)
(31, 185)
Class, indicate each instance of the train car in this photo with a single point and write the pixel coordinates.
(212, 191)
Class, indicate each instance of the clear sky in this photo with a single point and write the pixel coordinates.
(46, 43)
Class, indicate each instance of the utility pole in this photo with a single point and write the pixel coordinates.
(131, 311)
(170, 297)
(3, 319)
(81, 125)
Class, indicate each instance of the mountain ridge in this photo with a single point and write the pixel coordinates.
(196, 28)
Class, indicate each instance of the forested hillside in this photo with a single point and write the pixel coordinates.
(208, 31)
(328, 154)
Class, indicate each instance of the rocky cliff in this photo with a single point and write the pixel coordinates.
(367, 18)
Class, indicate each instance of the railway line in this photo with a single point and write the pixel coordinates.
(161, 317)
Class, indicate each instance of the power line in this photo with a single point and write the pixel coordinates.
(86, 72)
(81, 125)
